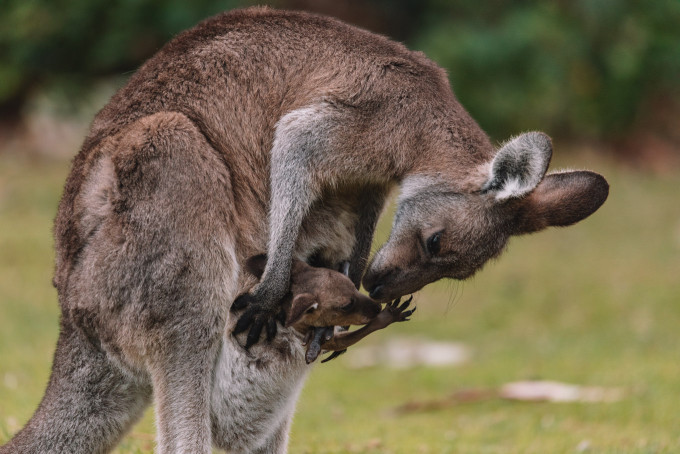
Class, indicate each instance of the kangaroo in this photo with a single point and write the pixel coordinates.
(262, 127)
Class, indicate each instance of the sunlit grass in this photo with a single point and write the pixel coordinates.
(593, 304)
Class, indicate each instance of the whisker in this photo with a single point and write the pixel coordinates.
(455, 291)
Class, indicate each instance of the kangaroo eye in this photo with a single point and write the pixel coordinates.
(433, 244)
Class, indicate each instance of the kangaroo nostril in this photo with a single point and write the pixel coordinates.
(376, 292)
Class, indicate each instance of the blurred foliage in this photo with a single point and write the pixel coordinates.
(589, 68)
(584, 68)
(70, 42)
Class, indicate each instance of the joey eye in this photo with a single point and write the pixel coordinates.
(349, 307)
(433, 243)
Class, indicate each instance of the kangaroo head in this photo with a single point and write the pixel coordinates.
(320, 297)
(439, 232)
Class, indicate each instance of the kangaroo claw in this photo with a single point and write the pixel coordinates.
(241, 302)
(256, 318)
(244, 322)
(405, 304)
(254, 333)
(333, 355)
(271, 329)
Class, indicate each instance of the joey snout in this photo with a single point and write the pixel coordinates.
(358, 311)
(365, 309)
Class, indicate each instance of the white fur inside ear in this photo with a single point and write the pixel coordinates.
(512, 188)
(519, 165)
(313, 307)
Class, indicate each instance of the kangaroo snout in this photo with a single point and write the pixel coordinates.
(385, 283)
(377, 292)
(374, 282)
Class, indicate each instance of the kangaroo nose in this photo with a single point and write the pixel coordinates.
(377, 292)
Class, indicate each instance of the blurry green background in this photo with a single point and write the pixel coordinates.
(594, 304)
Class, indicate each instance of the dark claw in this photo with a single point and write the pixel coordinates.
(308, 338)
(313, 351)
(241, 302)
(328, 334)
(333, 355)
(271, 329)
(244, 322)
(406, 303)
(281, 317)
(256, 317)
(314, 347)
(409, 313)
(254, 333)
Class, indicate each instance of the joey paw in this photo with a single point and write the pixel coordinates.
(397, 312)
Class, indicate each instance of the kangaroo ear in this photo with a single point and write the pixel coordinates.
(562, 199)
(519, 166)
(304, 303)
(255, 265)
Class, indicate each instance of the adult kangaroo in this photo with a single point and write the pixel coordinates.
(262, 128)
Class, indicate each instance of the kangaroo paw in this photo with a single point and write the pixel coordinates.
(256, 317)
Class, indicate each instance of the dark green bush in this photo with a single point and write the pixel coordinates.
(581, 67)
(73, 41)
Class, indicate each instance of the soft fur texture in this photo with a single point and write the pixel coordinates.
(260, 128)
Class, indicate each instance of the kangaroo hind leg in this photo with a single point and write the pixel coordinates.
(178, 267)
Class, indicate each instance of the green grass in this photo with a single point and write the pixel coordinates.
(594, 304)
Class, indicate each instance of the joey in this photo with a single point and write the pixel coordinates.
(321, 299)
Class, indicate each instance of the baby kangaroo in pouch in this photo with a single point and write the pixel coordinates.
(321, 300)
(255, 390)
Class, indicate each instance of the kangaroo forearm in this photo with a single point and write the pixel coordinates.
(346, 339)
(294, 188)
(286, 217)
(371, 205)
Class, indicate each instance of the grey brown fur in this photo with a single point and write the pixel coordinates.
(262, 127)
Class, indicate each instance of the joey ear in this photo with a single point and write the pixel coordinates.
(302, 304)
(255, 265)
(519, 165)
(562, 199)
